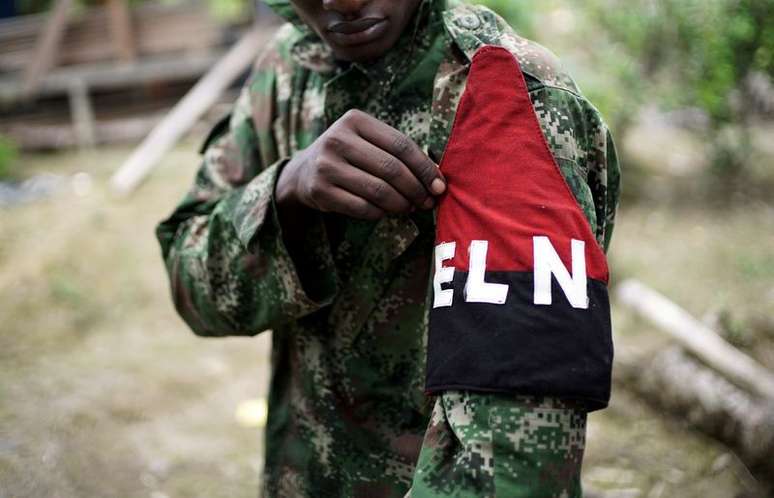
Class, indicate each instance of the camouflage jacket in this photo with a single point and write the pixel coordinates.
(347, 410)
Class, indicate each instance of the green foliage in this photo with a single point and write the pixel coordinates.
(683, 52)
(755, 266)
(32, 6)
(670, 54)
(228, 10)
(734, 330)
(519, 14)
(8, 156)
(703, 48)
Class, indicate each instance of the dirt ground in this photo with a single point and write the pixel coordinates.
(105, 393)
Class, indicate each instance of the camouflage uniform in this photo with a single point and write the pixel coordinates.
(347, 411)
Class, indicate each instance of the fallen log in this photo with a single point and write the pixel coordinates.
(697, 338)
(684, 387)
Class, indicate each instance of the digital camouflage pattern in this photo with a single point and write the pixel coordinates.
(347, 411)
(483, 445)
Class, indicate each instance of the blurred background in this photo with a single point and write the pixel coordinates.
(104, 391)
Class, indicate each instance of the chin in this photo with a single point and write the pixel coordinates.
(362, 53)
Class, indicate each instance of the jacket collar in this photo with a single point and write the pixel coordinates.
(284, 9)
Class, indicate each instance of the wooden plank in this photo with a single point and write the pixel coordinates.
(121, 30)
(697, 338)
(25, 28)
(36, 137)
(184, 115)
(82, 114)
(156, 29)
(110, 76)
(127, 124)
(47, 46)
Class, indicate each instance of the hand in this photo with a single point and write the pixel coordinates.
(362, 168)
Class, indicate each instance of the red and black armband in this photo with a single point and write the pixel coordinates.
(520, 302)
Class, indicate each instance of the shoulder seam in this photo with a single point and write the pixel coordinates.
(472, 26)
(559, 88)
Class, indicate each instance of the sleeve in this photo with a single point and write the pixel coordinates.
(484, 444)
(604, 177)
(229, 269)
(524, 343)
(613, 191)
(583, 148)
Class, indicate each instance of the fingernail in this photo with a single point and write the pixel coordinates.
(429, 203)
(438, 186)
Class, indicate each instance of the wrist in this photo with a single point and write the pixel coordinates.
(285, 191)
(291, 211)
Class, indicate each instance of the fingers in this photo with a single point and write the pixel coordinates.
(340, 201)
(401, 147)
(371, 188)
(390, 169)
(363, 168)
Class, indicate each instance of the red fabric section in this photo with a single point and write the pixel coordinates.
(504, 185)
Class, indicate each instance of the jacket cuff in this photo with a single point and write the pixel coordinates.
(312, 283)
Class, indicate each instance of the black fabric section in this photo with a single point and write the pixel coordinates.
(220, 128)
(522, 348)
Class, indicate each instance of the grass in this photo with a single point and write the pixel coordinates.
(8, 156)
(104, 392)
(718, 264)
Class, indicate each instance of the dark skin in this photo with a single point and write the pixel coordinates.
(360, 167)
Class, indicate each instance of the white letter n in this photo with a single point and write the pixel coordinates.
(547, 263)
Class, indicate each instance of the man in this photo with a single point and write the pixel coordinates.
(313, 215)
